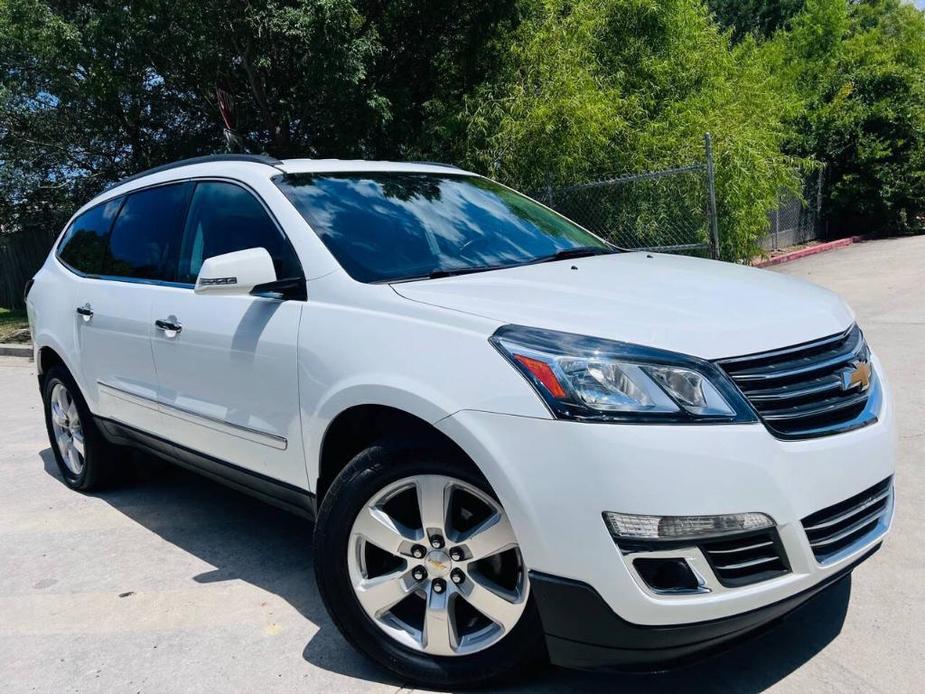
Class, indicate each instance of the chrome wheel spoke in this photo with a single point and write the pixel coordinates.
(57, 414)
(380, 594)
(73, 417)
(77, 441)
(64, 443)
(73, 460)
(376, 526)
(439, 629)
(502, 610)
(491, 537)
(433, 492)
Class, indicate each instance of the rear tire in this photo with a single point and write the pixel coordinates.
(84, 457)
(484, 648)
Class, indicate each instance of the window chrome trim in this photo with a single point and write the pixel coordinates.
(215, 423)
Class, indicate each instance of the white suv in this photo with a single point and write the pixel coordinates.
(516, 440)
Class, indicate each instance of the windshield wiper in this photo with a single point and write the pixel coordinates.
(579, 252)
(452, 272)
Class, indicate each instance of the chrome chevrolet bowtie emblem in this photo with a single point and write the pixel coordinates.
(856, 376)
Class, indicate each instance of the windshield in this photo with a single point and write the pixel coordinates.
(385, 227)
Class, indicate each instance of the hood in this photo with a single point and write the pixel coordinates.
(698, 307)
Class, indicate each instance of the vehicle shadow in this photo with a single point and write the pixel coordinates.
(250, 541)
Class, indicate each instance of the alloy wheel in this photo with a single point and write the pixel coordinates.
(69, 434)
(434, 563)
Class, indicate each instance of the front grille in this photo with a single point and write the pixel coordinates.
(807, 390)
(747, 558)
(850, 522)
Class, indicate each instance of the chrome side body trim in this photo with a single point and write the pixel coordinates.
(127, 396)
(243, 432)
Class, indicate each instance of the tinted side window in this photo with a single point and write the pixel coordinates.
(84, 244)
(145, 239)
(223, 218)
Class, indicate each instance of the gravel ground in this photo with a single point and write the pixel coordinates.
(172, 584)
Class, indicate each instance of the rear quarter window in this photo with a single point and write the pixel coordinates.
(83, 247)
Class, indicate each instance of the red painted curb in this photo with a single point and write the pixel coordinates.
(811, 250)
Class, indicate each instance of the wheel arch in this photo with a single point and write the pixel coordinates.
(357, 427)
(49, 355)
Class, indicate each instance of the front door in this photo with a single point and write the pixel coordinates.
(227, 375)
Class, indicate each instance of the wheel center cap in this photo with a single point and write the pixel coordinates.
(438, 564)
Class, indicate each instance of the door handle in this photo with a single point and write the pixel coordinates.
(170, 326)
(85, 312)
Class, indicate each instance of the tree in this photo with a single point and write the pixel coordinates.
(759, 18)
(860, 71)
(592, 87)
(92, 90)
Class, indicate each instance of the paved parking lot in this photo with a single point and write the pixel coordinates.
(172, 584)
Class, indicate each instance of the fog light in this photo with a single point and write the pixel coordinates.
(634, 527)
(667, 575)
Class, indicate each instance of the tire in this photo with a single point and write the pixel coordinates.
(88, 469)
(489, 654)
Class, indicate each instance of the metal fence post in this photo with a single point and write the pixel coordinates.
(711, 198)
(776, 244)
(817, 221)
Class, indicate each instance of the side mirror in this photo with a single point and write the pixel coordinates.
(235, 273)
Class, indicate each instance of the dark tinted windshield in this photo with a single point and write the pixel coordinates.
(392, 226)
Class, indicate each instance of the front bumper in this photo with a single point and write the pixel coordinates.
(555, 478)
(583, 632)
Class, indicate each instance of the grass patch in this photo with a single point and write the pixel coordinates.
(11, 322)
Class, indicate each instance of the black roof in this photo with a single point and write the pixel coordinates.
(255, 158)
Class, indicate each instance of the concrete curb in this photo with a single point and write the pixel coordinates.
(811, 250)
(16, 350)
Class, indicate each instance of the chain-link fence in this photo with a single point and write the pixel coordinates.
(673, 210)
(797, 220)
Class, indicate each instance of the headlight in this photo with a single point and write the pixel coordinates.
(593, 379)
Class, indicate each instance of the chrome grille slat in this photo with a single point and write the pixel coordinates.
(815, 411)
(746, 564)
(803, 347)
(850, 530)
(781, 393)
(840, 527)
(848, 514)
(791, 369)
(741, 549)
(747, 558)
(801, 391)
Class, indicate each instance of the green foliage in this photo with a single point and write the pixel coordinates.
(532, 92)
(759, 18)
(92, 90)
(860, 71)
(596, 86)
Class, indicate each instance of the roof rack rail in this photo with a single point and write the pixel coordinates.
(254, 158)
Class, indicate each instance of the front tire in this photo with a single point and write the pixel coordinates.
(419, 569)
(83, 456)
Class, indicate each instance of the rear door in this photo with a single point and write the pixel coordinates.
(113, 306)
(228, 381)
